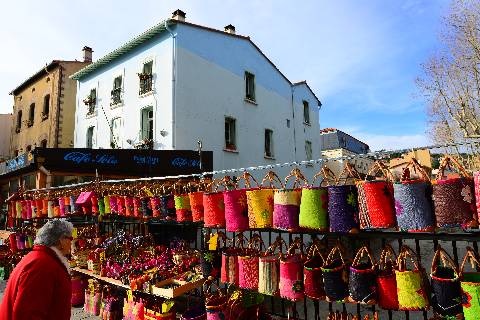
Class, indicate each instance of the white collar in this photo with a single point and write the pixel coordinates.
(62, 258)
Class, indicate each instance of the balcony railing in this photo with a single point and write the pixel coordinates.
(145, 83)
(91, 109)
(116, 96)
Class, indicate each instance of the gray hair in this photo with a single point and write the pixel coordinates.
(51, 233)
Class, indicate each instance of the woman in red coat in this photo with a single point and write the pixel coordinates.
(39, 287)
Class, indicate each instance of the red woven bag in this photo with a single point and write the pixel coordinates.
(386, 280)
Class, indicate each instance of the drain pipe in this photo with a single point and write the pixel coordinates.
(174, 75)
(294, 126)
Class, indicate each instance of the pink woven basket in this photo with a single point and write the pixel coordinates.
(291, 272)
(236, 208)
(248, 265)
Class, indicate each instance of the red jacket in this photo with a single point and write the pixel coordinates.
(39, 288)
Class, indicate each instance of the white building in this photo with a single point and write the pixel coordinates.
(178, 83)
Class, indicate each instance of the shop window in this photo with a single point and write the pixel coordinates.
(90, 132)
(230, 134)
(147, 124)
(116, 128)
(31, 115)
(249, 86)
(306, 112)
(46, 107)
(268, 143)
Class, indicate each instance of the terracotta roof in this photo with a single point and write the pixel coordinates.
(327, 130)
(40, 73)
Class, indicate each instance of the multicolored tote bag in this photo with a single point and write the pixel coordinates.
(335, 276)
(287, 203)
(236, 208)
(248, 264)
(229, 270)
(269, 268)
(314, 202)
(375, 198)
(343, 201)
(291, 272)
(362, 278)
(412, 286)
(213, 205)
(454, 199)
(413, 200)
(470, 285)
(445, 284)
(386, 280)
(312, 272)
(260, 202)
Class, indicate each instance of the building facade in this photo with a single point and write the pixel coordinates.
(335, 143)
(179, 83)
(5, 135)
(44, 107)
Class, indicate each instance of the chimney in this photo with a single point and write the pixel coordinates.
(178, 15)
(87, 54)
(230, 29)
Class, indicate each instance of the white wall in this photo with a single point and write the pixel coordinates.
(160, 51)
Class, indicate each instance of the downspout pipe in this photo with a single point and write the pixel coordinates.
(294, 126)
(57, 116)
(174, 75)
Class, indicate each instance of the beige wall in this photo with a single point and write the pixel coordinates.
(361, 164)
(5, 134)
(62, 92)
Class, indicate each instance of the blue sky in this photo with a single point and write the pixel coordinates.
(360, 57)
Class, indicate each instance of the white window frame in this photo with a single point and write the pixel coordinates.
(143, 131)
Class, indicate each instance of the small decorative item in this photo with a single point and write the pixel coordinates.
(375, 198)
(454, 199)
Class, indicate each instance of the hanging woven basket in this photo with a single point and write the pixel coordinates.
(248, 265)
(167, 203)
(229, 269)
(412, 285)
(236, 207)
(287, 203)
(470, 285)
(312, 273)
(445, 283)
(362, 278)
(386, 280)
(314, 202)
(413, 200)
(183, 210)
(260, 202)
(196, 200)
(214, 207)
(342, 202)
(375, 198)
(454, 199)
(291, 272)
(335, 276)
(269, 268)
